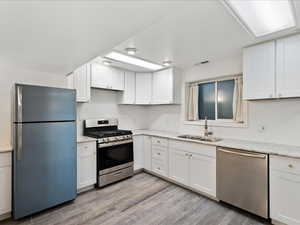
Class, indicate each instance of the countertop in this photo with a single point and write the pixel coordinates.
(5, 148)
(81, 139)
(261, 147)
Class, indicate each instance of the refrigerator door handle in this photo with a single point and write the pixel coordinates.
(19, 142)
(19, 104)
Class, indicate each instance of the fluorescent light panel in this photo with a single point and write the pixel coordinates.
(264, 17)
(133, 61)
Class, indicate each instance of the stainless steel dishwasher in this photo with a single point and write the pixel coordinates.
(243, 180)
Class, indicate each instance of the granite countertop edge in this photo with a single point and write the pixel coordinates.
(82, 139)
(253, 146)
(5, 148)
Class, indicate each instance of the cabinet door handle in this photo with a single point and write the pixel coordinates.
(290, 166)
(158, 153)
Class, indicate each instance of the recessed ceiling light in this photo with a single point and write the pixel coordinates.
(131, 51)
(107, 63)
(167, 63)
(133, 61)
(263, 17)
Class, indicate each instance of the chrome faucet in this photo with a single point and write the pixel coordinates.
(206, 132)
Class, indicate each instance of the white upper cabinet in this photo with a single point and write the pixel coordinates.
(107, 77)
(128, 96)
(166, 86)
(288, 67)
(162, 87)
(271, 69)
(143, 88)
(117, 79)
(101, 76)
(80, 80)
(259, 71)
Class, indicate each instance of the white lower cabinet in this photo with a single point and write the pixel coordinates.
(197, 170)
(284, 190)
(203, 173)
(179, 166)
(138, 151)
(147, 152)
(86, 164)
(5, 183)
(160, 156)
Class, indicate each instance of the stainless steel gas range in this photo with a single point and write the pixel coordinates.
(114, 150)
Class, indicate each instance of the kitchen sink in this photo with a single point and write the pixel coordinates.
(199, 138)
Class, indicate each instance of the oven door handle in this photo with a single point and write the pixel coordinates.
(115, 143)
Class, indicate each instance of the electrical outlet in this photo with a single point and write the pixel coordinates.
(261, 128)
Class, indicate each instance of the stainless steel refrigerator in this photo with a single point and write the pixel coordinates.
(45, 154)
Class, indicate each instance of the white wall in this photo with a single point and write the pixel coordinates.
(10, 74)
(104, 104)
(281, 118)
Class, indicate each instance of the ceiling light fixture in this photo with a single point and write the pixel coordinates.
(107, 63)
(167, 63)
(131, 51)
(263, 17)
(133, 61)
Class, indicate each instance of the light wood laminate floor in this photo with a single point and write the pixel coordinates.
(141, 200)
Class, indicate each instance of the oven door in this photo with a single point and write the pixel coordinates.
(114, 158)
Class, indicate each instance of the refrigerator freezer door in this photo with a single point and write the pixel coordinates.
(44, 167)
(43, 104)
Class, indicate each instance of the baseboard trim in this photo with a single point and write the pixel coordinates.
(181, 185)
(275, 222)
(88, 188)
(5, 216)
(138, 171)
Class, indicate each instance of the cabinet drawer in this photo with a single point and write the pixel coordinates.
(159, 153)
(160, 141)
(86, 148)
(5, 159)
(159, 167)
(285, 164)
(202, 149)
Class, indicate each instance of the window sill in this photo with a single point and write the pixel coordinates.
(219, 123)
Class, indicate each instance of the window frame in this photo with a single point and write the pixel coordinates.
(217, 122)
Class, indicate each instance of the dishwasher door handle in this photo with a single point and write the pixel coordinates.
(260, 156)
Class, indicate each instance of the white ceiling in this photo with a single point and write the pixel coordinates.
(58, 36)
(201, 30)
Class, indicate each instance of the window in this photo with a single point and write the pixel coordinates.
(220, 101)
(215, 100)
